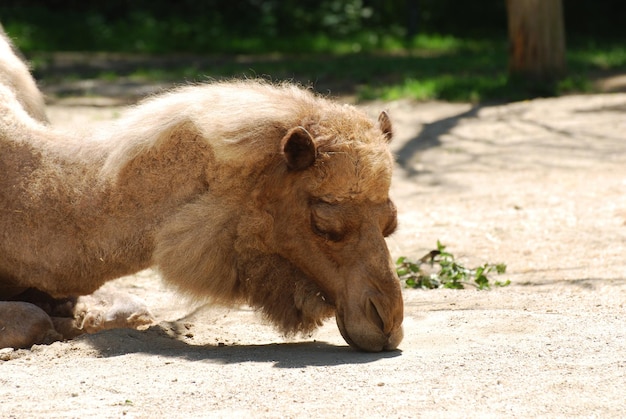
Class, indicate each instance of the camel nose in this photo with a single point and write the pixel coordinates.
(373, 314)
(388, 321)
(372, 323)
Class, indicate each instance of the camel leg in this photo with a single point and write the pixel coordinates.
(102, 310)
(23, 325)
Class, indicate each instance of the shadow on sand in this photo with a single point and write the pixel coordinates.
(161, 340)
(430, 137)
(524, 142)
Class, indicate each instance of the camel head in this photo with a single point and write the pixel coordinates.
(294, 219)
(331, 215)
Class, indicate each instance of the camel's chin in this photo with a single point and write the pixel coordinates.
(369, 339)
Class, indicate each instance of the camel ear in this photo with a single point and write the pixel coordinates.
(298, 149)
(384, 122)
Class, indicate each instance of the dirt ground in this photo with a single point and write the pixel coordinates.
(539, 185)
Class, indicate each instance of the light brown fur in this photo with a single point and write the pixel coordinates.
(24, 324)
(106, 309)
(239, 192)
(14, 74)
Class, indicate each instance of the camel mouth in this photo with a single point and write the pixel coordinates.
(371, 340)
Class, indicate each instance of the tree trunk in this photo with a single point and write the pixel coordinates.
(537, 39)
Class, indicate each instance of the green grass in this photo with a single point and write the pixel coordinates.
(367, 65)
(601, 56)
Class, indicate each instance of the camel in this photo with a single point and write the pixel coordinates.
(237, 192)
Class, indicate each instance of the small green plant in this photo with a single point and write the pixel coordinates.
(450, 274)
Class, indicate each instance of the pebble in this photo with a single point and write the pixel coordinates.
(5, 354)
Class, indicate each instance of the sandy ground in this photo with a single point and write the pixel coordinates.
(539, 185)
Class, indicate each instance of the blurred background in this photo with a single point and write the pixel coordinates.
(364, 49)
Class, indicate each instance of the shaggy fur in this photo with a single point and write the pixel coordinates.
(15, 75)
(239, 192)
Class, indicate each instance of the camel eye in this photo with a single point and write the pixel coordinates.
(333, 236)
(326, 222)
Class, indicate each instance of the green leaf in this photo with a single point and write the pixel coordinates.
(482, 282)
(451, 274)
(453, 285)
(414, 268)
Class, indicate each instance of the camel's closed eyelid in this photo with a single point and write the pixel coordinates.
(326, 222)
(330, 235)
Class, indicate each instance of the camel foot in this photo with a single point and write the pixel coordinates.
(108, 309)
(68, 317)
